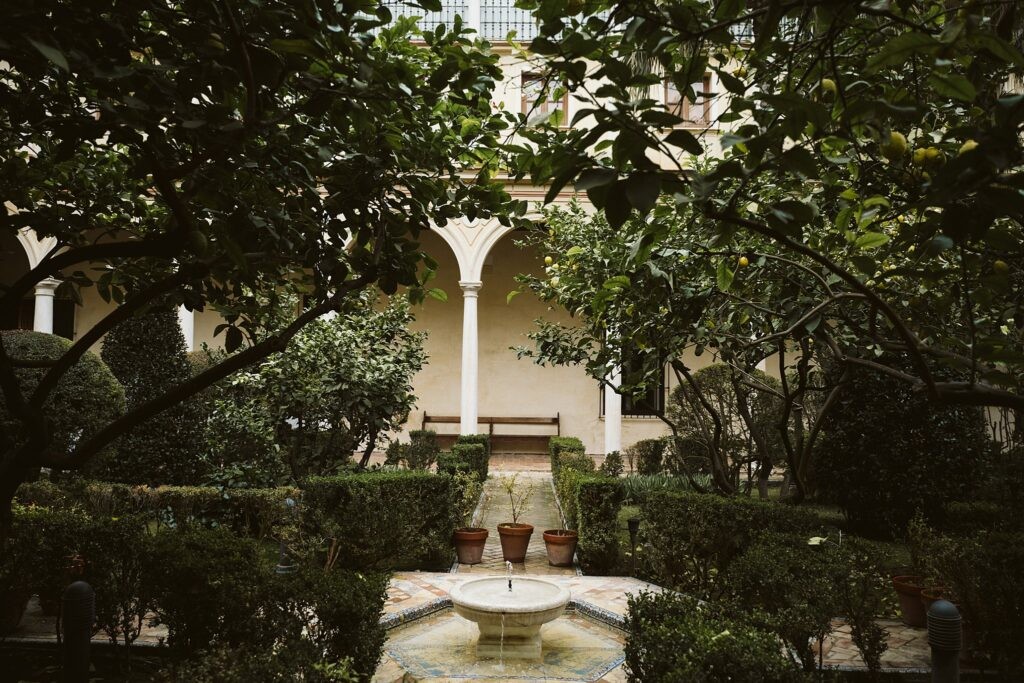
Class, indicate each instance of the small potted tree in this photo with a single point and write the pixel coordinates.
(515, 536)
(469, 540)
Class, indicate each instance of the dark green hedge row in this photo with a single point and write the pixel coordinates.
(691, 537)
(393, 520)
(590, 502)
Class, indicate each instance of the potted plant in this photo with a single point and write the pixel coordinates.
(561, 546)
(469, 540)
(908, 591)
(515, 536)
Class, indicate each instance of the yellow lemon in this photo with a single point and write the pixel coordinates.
(1000, 266)
(743, 261)
(968, 146)
(895, 147)
(548, 260)
(828, 85)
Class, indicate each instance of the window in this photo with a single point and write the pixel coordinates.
(532, 85)
(697, 112)
(650, 403)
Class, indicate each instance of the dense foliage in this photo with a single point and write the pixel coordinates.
(230, 157)
(147, 355)
(886, 452)
(672, 637)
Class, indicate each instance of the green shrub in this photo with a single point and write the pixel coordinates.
(638, 486)
(52, 538)
(224, 664)
(86, 399)
(467, 495)
(475, 456)
(383, 519)
(598, 501)
(208, 586)
(612, 465)
(115, 568)
(419, 454)
(693, 537)
(674, 638)
(147, 355)
(450, 464)
(482, 439)
(886, 452)
(573, 468)
(647, 455)
(559, 444)
(332, 616)
(686, 455)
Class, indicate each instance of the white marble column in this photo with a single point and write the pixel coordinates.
(187, 320)
(473, 15)
(470, 358)
(42, 320)
(613, 414)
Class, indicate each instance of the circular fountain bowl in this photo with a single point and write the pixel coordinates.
(509, 621)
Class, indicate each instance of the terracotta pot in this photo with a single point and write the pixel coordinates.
(12, 608)
(514, 540)
(908, 590)
(561, 546)
(469, 544)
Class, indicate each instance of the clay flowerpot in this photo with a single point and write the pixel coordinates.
(561, 546)
(12, 608)
(514, 540)
(469, 544)
(908, 590)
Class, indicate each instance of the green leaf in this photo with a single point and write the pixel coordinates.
(685, 140)
(595, 177)
(724, 276)
(51, 53)
(512, 295)
(643, 189)
(437, 293)
(900, 49)
(871, 240)
(617, 282)
(953, 85)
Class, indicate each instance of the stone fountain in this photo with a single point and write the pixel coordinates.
(509, 613)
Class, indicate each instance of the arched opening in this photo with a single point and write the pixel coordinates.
(14, 263)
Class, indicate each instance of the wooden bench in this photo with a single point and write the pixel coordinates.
(502, 442)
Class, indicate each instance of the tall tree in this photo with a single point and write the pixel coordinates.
(873, 145)
(215, 153)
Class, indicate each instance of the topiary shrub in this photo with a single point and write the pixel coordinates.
(672, 638)
(598, 501)
(612, 465)
(573, 468)
(647, 455)
(482, 439)
(147, 355)
(563, 444)
(887, 452)
(86, 399)
(475, 456)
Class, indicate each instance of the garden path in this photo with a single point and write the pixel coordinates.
(541, 512)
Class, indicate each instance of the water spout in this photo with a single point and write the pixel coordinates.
(508, 567)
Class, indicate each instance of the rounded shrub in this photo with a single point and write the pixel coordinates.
(86, 399)
(886, 452)
(147, 355)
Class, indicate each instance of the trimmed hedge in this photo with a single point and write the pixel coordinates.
(559, 444)
(598, 501)
(382, 520)
(691, 538)
(675, 638)
(647, 455)
(482, 439)
(475, 456)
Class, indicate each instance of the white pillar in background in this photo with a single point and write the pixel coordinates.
(613, 414)
(470, 358)
(187, 320)
(42, 320)
(473, 15)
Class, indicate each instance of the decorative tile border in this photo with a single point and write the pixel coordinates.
(405, 616)
(599, 614)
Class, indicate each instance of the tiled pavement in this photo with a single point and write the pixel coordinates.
(541, 512)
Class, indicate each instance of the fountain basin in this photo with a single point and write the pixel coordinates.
(509, 621)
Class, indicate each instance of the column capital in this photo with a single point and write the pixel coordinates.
(470, 288)
(46, 286)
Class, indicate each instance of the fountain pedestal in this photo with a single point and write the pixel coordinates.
(509, 621)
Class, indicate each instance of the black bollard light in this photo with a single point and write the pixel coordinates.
(945, 636)
(78, 613)
(284, 563)
(634, 530)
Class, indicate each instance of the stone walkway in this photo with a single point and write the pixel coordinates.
(541, 512)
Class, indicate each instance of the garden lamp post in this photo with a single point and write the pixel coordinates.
(284, 565)
(634, 530)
